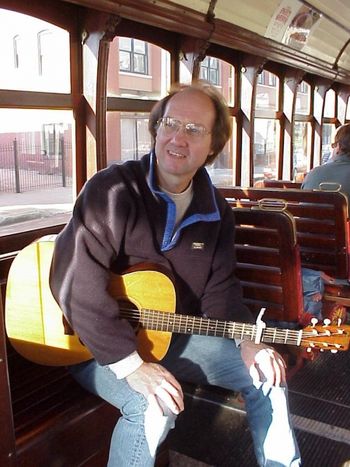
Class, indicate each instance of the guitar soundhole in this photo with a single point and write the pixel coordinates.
(130, 312)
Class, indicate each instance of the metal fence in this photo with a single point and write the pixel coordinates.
(24, 168)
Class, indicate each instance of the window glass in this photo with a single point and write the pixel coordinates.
(210, 70)
(266, 133)
(328, 132)
(219, 73)
(348, 110)
(36, 154)
(136, 140)
(222, 170)
(137, 69)
(133, 56)
(267, 91)
(222, 75)
(329, 106)
(303, 99)
(301, 142)
(34, 54)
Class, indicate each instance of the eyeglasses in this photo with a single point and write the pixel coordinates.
(171, 126)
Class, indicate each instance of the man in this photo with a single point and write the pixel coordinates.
(336, 173)
(164, 210)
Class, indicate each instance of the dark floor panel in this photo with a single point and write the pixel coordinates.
(213, 428)
(321, 410)
(209, 432)
(321, 390)
(220, 437)
(327, 378)
(321, 452)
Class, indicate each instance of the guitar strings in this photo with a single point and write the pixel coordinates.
(187, 324)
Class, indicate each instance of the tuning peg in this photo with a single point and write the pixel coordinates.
(314, 321)
(334, 351)
(326, 321)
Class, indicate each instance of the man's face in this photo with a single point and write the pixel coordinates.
(180, 151)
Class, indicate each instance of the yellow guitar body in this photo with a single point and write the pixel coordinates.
(34, 321)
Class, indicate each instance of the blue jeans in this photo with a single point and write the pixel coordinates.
(202, 360)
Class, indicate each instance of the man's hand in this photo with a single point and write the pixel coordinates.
(157, 384)
(264, 363)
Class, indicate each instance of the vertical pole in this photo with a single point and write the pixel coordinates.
(15, 156)
(62, 153)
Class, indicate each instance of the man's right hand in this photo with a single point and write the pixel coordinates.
(155, 382)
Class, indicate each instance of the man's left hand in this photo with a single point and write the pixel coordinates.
(264, 363)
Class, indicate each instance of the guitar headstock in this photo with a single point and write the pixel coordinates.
(326, 336)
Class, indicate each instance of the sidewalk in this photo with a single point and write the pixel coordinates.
(21, 207)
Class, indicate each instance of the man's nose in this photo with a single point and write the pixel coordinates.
(180, 134)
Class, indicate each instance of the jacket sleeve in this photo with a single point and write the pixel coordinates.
(223, 294)
(80, 271)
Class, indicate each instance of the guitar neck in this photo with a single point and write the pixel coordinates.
(187, 324)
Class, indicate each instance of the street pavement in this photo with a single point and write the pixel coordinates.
(21, 207)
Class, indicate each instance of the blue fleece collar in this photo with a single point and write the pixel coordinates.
(171, 236)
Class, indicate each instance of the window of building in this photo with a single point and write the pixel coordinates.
(16, 51)
(266, 127)
(301, 149)
(303, 99)
(328, 133)
(210, 70)
(133, 55)
(136, 140)
(266, 78)
(44, 50)
(329, 106)
(267, 91)
(266, 132)
(222, 171)
(137, 85)
(222, 75)
(127, 132)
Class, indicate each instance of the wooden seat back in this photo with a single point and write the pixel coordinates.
(281, 184)
(321, 219)
(268, 262)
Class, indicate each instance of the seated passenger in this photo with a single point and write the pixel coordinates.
(336, 172)
(164, 209)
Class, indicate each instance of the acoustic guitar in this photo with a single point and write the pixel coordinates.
(36, 329)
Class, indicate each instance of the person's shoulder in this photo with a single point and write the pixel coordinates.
(116, 171)
(343, 159)
(320, 169)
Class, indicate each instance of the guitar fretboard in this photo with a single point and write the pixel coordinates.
(187, 324)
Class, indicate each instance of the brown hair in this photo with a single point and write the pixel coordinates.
(221, 131)
(342, 138)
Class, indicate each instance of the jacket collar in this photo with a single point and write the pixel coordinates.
(203, 207)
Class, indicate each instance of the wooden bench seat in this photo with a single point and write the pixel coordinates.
(321, 220)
